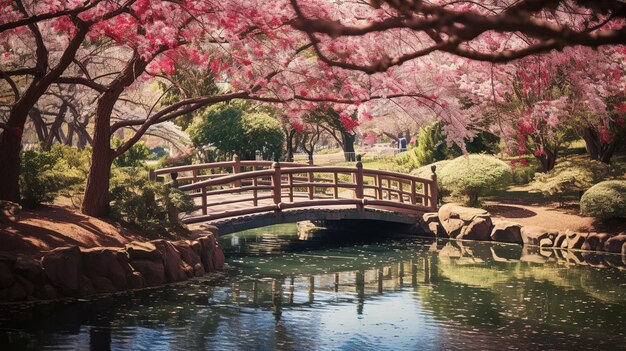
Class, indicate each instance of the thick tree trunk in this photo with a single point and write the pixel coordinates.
(54, 129)
(289, 145)
(598, 150)
(348, 146)
(39, 123)
(96, 199)
(547, 160)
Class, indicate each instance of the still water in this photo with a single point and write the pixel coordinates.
(331, 291)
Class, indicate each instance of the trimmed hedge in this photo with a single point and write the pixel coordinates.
(605, 200)
(473, 176)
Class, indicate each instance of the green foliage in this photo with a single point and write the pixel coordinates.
(158, 153)
(473, 176)
(152, 206)
(573, 175)
(133, 157)
(524, 174)
(48, 174)
(232, 129)
(431, 147)
(426, 172)
(483, 142)
(605, 200)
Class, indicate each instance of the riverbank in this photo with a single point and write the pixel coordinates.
(56, 252)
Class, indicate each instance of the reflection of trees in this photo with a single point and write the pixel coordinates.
(478, 287)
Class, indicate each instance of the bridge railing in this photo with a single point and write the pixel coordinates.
(284, 186)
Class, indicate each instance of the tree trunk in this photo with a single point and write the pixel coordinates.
(54, 129)
(39, 123)
(96, 199)
(348, 146)
(289, 145)
(598, 150)
(547, 160)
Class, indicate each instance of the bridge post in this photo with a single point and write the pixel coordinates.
(434, 191)
(236, 170)
(276, 184)
(359, 181)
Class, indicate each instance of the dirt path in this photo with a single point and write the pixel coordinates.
(553, 217)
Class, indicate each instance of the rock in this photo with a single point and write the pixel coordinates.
(507, 232)
(211, 229)
(175, 268)
(139, 250)
(103, 284)
(189, 256)
(595, 242)
(6, 275)
(454, 218)
(30, 269)
(198, 270)
(17, 292)
(62, 268)
(28, 286)
(530, 254)
(45, 292)
(532, 235)
(9, 212)
(152, 271)
(559, 239)
(429, 225)
(545, 242)
(135, 280)
(110, 263)
(615, 243)
(575, 240)
(86, 286)
(212, 255)
(478, 229)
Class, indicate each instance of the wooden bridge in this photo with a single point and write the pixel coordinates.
(238, 195)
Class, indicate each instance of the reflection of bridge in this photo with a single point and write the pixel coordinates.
(239, 195)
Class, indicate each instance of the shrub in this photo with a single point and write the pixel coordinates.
(524, 171)
(573, 175)
(431, 147)
(152, 206)
(48, 174)
(605, 200)
(473, 176)
(426, 171)
(133, 157)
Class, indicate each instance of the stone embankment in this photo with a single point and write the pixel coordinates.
(465, 223)
(79, 272)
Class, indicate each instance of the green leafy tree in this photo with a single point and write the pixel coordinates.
(133, 157)
(232, 129)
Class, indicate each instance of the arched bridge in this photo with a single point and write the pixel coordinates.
(238, 195)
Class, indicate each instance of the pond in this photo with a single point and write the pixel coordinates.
(340, 291)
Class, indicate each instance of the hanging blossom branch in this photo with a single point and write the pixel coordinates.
(450, 30)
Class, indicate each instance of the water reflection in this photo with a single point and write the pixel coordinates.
(329, 293)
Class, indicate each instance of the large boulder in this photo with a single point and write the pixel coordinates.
(9, 212)
(142, 250)
(575, 240)
(429, 224)
(534, 235)
(595, 242)
(62, 267)
(30, 268)
(615, 243)
(507, 232)
(7, 277)
(107, 262)
(175, 268)
(152, 271)
(462, 222)
(190, 257)
(211, 254)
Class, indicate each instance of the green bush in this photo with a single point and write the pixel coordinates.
(572, 176)
(431, 146)
(133, 157)
(426, 171)
(473, 176)
(605, 200)
(48, 174)
(152, 206)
